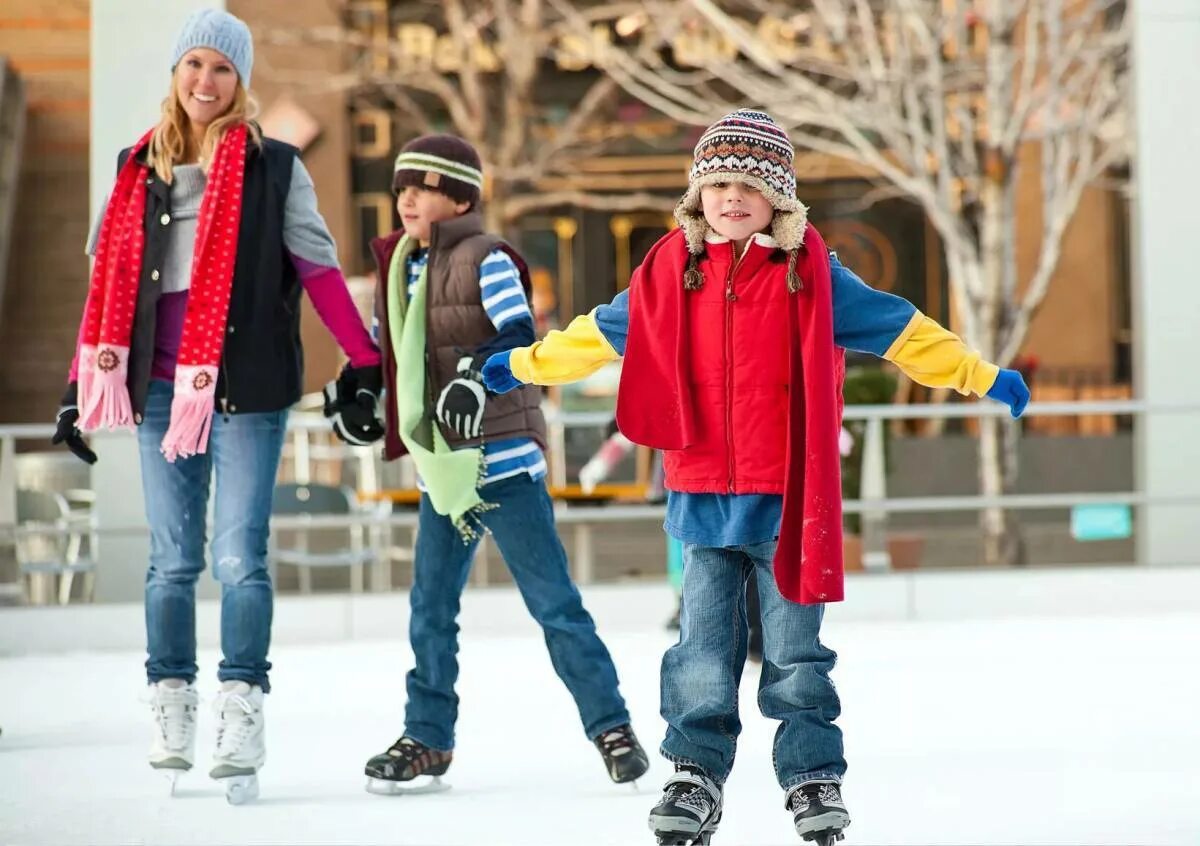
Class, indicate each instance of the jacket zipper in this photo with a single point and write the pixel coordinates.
(730, 299)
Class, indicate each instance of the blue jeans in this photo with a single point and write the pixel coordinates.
(523, 528)
(701, 673)
(244, 450)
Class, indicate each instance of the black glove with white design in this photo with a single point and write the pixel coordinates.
(460, 407)
(352, 405)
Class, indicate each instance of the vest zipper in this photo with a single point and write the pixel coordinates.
(730, 299)
(225, 399)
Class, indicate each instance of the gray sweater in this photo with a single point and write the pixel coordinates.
(305, 234)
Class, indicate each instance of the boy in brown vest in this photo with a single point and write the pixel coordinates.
(449, 296)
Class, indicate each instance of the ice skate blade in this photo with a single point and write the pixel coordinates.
(677, 838)
(826, 837)
(420, 784)
(823, 838)
(240, 789)
(172, 777)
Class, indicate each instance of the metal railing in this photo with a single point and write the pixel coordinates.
(874, 504)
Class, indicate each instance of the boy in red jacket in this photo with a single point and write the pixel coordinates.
(733, 331)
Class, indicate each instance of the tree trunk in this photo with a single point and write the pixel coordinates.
(997, 436)
(998, 439)
(493, 209)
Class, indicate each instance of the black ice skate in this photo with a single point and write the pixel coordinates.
(623, 756)
(408, 767)
(689, 811)
(818, 811)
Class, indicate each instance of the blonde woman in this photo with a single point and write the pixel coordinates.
(191, 334)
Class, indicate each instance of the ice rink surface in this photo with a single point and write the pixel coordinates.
(1020, 731)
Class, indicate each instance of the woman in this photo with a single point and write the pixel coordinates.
(191, 334)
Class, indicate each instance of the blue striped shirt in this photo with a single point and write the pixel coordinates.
(504, 301)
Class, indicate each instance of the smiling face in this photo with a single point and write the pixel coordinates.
(420, 208)
(205, 83)
(735, 210)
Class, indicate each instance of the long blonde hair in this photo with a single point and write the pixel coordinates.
(173, 143)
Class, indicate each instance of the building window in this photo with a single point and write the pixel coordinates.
(372, 134)
(370, 17)
(374, 216)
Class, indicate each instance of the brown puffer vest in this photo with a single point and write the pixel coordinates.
(456, 323)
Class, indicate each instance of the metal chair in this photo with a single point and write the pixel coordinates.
(293, 546)
(49, 545)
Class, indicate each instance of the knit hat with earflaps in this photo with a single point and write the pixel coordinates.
(749, 147)
(443, 163)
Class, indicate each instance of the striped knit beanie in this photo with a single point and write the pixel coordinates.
(444, 163)
(745, 146)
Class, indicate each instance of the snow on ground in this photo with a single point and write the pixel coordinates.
(1048, 731)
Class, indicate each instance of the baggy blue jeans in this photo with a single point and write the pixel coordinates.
(701, 673)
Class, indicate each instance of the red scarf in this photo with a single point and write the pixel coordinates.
(654, 405)
(112, 300)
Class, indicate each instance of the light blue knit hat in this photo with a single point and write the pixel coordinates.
(219, 31)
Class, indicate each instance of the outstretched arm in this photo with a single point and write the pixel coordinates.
(867, 320)
(568, 355)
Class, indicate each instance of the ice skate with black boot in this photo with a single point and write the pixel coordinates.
(173, 747)
(241, 740)
(818, 811)
(690, 809)
(624, 757)
(409, 766)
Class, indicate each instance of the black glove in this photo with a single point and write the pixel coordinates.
(352, 402)
(460, 407)
(68, 433)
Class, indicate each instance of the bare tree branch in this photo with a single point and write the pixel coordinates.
(445, 70)
(946, 101)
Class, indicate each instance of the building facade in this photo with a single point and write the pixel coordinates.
(330, 95)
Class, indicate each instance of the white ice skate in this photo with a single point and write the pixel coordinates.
(173, 747)
(240, 740)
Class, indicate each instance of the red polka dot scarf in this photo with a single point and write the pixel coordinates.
(112, 301)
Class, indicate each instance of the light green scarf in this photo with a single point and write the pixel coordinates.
(451, 476)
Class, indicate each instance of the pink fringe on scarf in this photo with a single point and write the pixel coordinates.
(103, 394)
(191, 412)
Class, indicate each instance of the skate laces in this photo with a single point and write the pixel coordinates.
(407, 749)
(692, 788)
(824, 793)
(235, 721)
(175, 713)
(616, 742)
